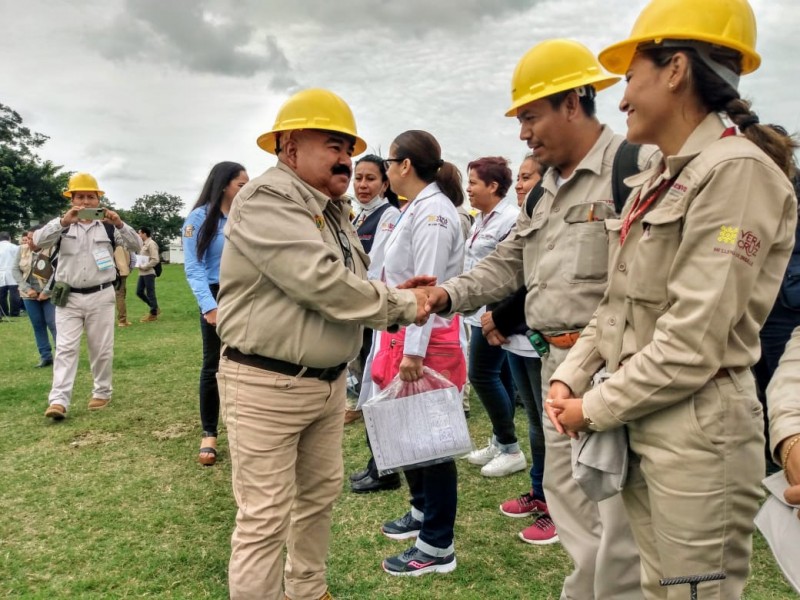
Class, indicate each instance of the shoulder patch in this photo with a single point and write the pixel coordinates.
(188, 231)
(319, 221)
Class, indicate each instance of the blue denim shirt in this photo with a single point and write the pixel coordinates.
(202, 273)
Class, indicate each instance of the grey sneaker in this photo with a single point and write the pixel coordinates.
(415, 562)
(403, 528)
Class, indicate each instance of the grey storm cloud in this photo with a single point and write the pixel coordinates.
(195, 35)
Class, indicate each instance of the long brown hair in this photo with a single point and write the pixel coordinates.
(718, 96)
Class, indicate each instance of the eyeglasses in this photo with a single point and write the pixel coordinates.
(344, 242)
(388, 161)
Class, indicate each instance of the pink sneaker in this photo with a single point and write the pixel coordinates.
(523, 506)
(541, 533)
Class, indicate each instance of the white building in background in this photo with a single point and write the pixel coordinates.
(175, 253)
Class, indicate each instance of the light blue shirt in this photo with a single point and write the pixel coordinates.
(202, 273)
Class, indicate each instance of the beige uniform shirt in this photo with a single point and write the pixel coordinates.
(560, 253)
(694, 281)
(285, 290)
(77, 265)
(150, 250)
(122, 258)
(783, 396)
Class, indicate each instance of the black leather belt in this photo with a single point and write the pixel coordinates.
(91, 290)
(283, 367)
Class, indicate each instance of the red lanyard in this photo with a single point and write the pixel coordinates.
(639, 209)
(483, 226)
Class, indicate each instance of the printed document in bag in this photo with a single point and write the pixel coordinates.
(415, 429)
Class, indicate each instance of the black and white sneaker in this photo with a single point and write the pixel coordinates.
(403, 528)
(415, 562)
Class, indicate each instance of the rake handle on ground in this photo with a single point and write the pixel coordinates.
(692, 580)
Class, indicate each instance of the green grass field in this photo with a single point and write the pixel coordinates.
(113, 504)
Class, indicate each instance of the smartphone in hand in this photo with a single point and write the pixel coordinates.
(92, 214)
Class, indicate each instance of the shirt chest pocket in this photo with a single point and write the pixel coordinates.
(587, 242)
(654, 256)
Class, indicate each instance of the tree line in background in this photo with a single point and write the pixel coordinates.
(31, 189)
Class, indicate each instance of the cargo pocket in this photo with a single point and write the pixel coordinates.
(586, 237)
(653, 258)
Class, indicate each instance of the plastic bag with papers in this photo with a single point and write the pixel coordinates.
(416, 424)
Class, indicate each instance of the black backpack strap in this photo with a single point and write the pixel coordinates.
(626, 163)
(110, 233)
(533, 198)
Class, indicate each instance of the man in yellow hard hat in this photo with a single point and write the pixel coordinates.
(85, 238)
(559, 252)
(292, 302)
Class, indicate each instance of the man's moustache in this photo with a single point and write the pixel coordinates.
(342, 170)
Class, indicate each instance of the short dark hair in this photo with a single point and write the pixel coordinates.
(146, 230)
(5, 236)
(586, 100)
(493, 169)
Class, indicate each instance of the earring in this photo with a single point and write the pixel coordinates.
(671, 86)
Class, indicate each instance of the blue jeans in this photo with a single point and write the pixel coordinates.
(491, 379)
(527, 374)
(434, 492)
(146, 292)
(43, 317)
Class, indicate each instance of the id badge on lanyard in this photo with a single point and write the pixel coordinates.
(103, 259)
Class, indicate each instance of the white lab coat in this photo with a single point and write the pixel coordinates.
(426, 240)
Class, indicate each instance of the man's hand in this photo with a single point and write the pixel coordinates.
(211, 317)
(438, 300)
(113, 218)
(418, 281)
(558, 391)
(422, 302)
(71, 216)
(490, 332)
(411, 368)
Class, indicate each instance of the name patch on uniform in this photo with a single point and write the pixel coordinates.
(747, 241)
(437, 220)
(319, 221)
(188, 231)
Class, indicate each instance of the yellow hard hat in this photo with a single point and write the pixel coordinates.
(555, 66)
(82, 182)
(314, 108)
(727, 23)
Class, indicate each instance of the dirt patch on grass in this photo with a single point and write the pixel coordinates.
(93, 438)
(174, 431)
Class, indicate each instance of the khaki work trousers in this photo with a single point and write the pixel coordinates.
(93, 313)
(285, 438)
(121, 293)
(694, 492)
(596, 535)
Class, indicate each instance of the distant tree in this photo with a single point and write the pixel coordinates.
(159, 211)
(30, 188)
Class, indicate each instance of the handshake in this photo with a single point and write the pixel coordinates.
(430, 298)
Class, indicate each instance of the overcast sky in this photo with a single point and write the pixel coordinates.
(148, 94)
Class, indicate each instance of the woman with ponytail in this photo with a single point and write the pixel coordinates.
(426, 241)
(696, 262)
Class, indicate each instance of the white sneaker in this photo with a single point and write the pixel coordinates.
(484, 455)
(504, 464)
